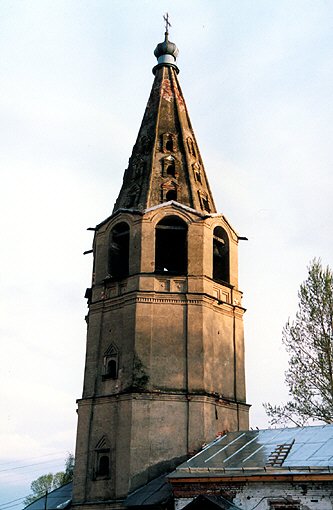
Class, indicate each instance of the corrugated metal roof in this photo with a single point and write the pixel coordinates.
(292, 449)
(154, 493)
(58, 499)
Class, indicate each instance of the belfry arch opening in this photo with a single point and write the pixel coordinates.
(171, 246)
(119, 251)
(221, 263)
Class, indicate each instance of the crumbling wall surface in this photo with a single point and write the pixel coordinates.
(285, 496)
(274, 496)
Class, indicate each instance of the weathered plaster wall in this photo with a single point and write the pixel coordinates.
(261, 496)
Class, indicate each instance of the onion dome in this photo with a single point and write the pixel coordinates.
(166, 53)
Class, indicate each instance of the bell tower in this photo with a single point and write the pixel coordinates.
(164, 365)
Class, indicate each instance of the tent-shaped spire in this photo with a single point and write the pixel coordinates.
(165, 163)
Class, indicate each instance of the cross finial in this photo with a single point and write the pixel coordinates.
(167, 22)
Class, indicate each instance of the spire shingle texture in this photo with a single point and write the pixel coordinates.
(165, 163)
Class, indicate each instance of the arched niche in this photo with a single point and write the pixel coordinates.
(190, 146)
(169, 191)
(171, 195)
(169, 167)
(169, 142)
(171, 246)
(102, 459)
(221, 256)
(204, 201)
(119, 251)
(111, 362)
(197, 172)
(103, 468)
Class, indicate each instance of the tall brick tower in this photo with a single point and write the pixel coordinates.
(165, 351)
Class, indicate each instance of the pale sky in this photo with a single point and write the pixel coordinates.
(257, 76)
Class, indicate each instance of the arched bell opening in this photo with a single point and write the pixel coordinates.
(119, 251)
(221, 262)
(171, 246)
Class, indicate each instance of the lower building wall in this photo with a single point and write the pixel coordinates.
(143, 435)
(266, 496)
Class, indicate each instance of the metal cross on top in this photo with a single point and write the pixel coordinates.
(167, 22)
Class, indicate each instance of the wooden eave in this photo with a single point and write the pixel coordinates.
(267, 477)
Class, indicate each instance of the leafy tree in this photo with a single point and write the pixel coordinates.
(69, 469)
(39, 488)
(309, 341)
(49, 482)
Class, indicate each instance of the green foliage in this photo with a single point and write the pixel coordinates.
(46, 483)
(69, 469)
(309, 342)
(39, 488)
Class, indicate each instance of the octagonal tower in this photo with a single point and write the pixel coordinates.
(165, 349)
